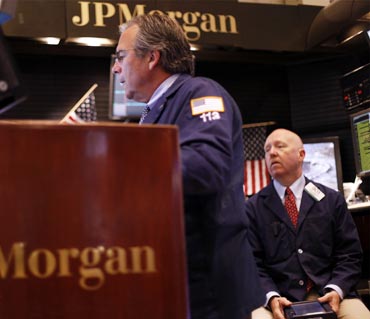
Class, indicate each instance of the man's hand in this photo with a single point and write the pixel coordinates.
(277, 304)
(332, 298)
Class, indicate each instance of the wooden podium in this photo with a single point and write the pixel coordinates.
(91, 222)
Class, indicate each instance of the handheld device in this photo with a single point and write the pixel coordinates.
(309, 310)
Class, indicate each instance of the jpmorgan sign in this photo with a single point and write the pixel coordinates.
(209, 23)
(194, 23)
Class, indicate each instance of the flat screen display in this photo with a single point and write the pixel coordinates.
(360, 124)
(322, 162)
(12, 90)
(308, 308)
(121, 108)
(356, 87)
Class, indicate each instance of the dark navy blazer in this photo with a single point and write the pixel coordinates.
(223, 278)
(325, 246)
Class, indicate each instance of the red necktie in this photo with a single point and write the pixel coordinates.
(309, 285)
(290, 206)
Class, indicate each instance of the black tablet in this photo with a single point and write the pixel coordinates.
(309, 310)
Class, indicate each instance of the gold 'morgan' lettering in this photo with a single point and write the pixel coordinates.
(49, 263)
(125, 14)
(64, 264)
(117, 261)
(191, 31)
(94, 263)
(209, 23)
(138, 261)
(92, 277)
(232, 24)
(17, 252)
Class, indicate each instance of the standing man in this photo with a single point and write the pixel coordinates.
(308, 249)
(155, 63)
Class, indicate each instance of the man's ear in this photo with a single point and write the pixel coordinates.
(302, 154)
(154, 57)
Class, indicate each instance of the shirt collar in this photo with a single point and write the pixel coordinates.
(297, 188)
(161, 89)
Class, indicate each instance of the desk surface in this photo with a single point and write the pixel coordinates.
(358, 206)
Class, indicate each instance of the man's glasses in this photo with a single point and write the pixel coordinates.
(121, 54)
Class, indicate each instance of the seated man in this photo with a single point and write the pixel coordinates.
(308, 253)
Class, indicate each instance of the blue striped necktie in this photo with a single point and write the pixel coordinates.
(144, 114)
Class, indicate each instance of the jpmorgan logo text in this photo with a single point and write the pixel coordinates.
(193, 23)
(90, 265)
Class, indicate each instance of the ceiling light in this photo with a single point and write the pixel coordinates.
(92, 41)
(49, 40)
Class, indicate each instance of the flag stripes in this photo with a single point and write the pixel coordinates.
(84, 110)
(256, 176)
(73, 118)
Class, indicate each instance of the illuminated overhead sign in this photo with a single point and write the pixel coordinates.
(222, 24)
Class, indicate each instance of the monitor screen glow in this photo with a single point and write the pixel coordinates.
(360, 125)
(322, 162)
(12, 91)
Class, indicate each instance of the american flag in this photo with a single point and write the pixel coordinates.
(84, 110)
(256, 175)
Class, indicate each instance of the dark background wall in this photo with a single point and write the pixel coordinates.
(302, 94)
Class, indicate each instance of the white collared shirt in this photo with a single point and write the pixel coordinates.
(161, 89)
(297, 188)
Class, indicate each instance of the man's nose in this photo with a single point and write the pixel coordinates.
(272, 151)
(116, 68)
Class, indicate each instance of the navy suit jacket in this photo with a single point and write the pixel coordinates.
(325, 246)
(223, 277)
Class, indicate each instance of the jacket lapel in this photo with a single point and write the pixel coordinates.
(273, 202)
(160, 105)
(155, 111)
(306, 204)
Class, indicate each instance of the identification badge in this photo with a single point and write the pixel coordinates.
(314, 192)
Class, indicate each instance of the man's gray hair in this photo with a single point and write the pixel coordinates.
(162, 33)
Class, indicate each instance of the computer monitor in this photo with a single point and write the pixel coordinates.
(356, 87)
(121, 108)
(12, 91)
(360, 126)
(322, 162)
